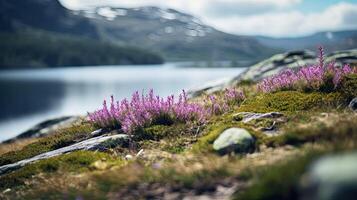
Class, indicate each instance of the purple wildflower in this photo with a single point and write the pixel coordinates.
(143, 110)
(311, 77)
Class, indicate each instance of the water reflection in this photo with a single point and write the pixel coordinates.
(24, 97)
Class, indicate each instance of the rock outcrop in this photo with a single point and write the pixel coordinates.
(96, 143)
(46, 127)
(275, 64)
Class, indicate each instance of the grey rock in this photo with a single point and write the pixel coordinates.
(332, 177)
(46, 127)
(234, 140)
(274, 65)
(96, 143)
(98, 132)
(353, 104)
(249, 116)
(209, 87)
(294, 59)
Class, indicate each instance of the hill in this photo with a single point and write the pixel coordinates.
(36, 33)
(334, 41)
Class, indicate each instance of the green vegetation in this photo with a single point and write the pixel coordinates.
(174, 139)
(280, 181)
(60, 139)
(319, 132)
(41, 49)
(291, 101)
(348, 86)
(79, 161)
(178, 158)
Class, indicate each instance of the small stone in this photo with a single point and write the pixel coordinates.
(128, 157)
(97, 132)
(140, 152)
(246, 117)
(353, 104)
(100, 165)
(234, 140)
(6, 191)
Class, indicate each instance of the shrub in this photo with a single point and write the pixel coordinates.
(324, 77)
(146, 110)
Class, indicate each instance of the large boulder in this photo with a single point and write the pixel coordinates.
(293, 59)
(236, 140)
(274, 64)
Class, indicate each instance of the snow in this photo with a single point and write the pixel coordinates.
(107, 12)
(121, 12)
(167, 15)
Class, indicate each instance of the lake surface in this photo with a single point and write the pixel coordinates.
(31, 96)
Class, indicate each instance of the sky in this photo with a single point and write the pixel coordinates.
(276, 18)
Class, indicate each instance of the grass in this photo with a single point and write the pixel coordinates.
(79, 161)
(319, 131)
(175, 138)
(62, 138)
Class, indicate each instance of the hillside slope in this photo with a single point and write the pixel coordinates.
(334, 41)
(176, 35)
(42, 33)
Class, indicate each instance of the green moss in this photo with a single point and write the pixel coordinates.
(155, 132)
(74, 162)
(204, 143)
(348, 86)
(290, 101)
(63, 137)
(216, 126)
(173, 139)
(345, 130)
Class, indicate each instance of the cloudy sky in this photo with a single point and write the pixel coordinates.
(254, 17)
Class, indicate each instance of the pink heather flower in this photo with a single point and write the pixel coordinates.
(143, 110)
(311, 76)
(216, 104)
(321, 56)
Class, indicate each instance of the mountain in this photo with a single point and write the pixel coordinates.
(42, 33)
(333, 41)
(47, 15)
(176, 35)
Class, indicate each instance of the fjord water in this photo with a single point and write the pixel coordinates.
(34, 95)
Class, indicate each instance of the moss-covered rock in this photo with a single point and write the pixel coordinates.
(62, 138)
(74, 162)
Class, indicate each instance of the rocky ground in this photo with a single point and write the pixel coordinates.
(280, 145)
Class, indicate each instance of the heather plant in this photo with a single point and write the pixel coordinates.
(218, 104)
(321, 76)
(145, 110)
